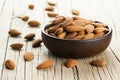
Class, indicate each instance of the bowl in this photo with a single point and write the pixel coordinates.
(76, 48)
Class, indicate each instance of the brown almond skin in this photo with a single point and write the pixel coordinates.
(102, 29)
(75, 12)
(10, 64)
(62, 35)
(45, 64)
(71, 35)
(52, 34)
(98, 63)
(81, 32)
(53, 28)
(79, 37)
(89, 28)
(31, 6)
(29, 36)
(99, 35)
(28, 56)
(36, 43)
(34, 23)
(51, 3)
(67, 22)
(58, 20)
(16, 46)
(88, 36)
(14, 32)
(74, 28)
(49, 8)
(58, 31)
(25, 18)
(52, 14)
(99, 25)
(71, 63)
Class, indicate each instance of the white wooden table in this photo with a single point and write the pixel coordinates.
(107, 11)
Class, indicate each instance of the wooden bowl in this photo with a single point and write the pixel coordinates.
(76, 48)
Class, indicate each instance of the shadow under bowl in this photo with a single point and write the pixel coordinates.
(76, 48)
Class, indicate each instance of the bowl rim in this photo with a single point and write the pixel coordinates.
(44, 27)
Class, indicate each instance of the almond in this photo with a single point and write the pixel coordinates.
(99, 25)
(16, 46)
(45, 64)
(71, 35)
(30, 36)
(74, 28)
(14, 32)
(31, 6)
(28, 56)
(36, 43)
(79, 37)
(52, 14)
(81, 32)
(50, 8)
(88, 36)
(80, 22)
(34, 23)
(98, 30)
(89, 28)
(62, 35)
(53, 28)
(25, 18)
(52, 34)
(75, 12)
(68, 22)
(10, 64)
(58, 20)
(98, 63)
(51, 3)
(58, 31)
(99, 35)
(71, 63)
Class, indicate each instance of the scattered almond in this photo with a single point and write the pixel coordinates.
(36, 43)
(45, 64)
(34, 23)
(31, 6)
(16, 46)
(52, 14)
(75, 12)
(25, 18)
(29, 36)
(28, 56)
(51, 3)
(14, 32)
(98, 63)
(71, 63)
(10, 64)
(50, 8)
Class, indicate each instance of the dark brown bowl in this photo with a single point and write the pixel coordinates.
(76, 48)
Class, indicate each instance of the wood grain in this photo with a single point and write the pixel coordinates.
(107, 11)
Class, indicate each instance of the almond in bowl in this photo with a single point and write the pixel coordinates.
(76, 37)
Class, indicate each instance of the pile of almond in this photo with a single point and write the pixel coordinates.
(76, 28)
